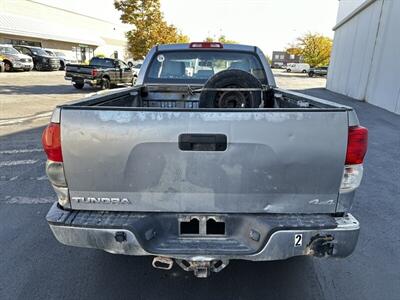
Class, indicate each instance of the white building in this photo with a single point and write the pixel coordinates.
(33, 23)
(365, 61)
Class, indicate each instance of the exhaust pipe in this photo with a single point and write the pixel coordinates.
(163, 263)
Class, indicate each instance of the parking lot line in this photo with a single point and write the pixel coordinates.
(16, 151)
(9, 163)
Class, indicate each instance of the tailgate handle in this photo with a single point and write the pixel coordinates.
(202, 142)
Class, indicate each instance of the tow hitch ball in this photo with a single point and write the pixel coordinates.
(200, 269)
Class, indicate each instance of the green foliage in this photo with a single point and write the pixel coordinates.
(222, 39)
(150, 27)
(314, 48)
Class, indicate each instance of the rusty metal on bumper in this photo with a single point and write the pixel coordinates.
(256, 237)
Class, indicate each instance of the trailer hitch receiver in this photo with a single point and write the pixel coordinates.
(202, 269)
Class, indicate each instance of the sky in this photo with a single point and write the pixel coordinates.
(269, 24)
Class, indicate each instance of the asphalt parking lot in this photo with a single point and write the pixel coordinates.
(33, 265)
(28, 98)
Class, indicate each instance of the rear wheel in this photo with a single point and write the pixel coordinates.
(304, 71)
(288, 70)
(130, 64)
(105, 84)
(134, 80)
(79, 85)
(311, 74)
(62, 65)
(38, 67)
(7, 66)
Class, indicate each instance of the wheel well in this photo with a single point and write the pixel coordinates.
(106, 77)
(7, 61)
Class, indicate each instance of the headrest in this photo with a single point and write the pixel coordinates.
(204, 73)
(173, 68)
(240, 65)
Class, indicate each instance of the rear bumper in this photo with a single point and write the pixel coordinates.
(255, 237)
(92, 82)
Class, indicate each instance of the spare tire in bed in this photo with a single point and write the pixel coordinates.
(231, 99)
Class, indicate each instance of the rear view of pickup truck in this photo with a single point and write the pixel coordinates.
(102, 72)
(205, 160)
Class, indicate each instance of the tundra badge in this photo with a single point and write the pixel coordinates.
(102, 200)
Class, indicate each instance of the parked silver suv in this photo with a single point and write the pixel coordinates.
(14, 60)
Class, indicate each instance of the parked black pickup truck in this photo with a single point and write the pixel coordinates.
(103, 72)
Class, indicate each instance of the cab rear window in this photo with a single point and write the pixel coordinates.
(101, 62)
(199, 66)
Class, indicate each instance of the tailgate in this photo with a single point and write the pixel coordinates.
(78, 70)
(147, 160)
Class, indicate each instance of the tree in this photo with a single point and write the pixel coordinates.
(150, 27)
(314, 48)
(222, 39)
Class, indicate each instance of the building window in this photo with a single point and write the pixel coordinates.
(292, 56)
(83, 53)
(282, 56)
(21, 42)
(276, 56)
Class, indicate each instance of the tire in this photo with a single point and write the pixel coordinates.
(7, 66)
(130, 64)
(134, 80)
(38, 67)
(79, 85)
(288, 70)
(304, 71)
(231, 99)
(62, 66)
(105, 84)
(311, 74)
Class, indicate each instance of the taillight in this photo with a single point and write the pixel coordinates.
(357, 145)
(94, 72)
(356, 149)
(212, 45)
(51, 140)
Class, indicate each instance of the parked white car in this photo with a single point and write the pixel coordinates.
(64, 58)
(135, 65)
(298, 68)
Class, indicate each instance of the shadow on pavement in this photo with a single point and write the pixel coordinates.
(44, 90)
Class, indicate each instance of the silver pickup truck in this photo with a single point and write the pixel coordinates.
(205, 160)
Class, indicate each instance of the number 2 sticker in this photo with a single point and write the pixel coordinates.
(298, 240)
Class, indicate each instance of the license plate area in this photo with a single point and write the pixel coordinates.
(207, 226)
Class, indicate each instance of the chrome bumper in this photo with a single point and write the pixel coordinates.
(336, 242)
(92, 82)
